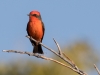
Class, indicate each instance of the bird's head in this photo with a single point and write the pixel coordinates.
(34, 14)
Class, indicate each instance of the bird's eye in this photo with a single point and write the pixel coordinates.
(34, 15)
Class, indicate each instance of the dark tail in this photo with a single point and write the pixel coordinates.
(38, 49)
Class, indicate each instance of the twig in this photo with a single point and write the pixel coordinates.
(97, 69)
(66, 60)
(52, 51)
(60, 52)
(40, 56)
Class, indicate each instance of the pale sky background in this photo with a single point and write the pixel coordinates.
(65, 20)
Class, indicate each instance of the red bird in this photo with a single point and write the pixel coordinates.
(36, 29)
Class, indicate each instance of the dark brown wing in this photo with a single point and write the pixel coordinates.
(43, 28)
(33, 43)
(27, 28)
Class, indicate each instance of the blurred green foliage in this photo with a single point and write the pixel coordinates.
(80, 52)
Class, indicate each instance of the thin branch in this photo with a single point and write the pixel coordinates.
(97, 69)
(40, 56)
(66, 60)
(59, 49)
(60, 54)
(52, 51)
(21, 52)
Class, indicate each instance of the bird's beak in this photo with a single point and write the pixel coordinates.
(28, 15)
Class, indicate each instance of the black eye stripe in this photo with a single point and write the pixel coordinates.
(34, 15)
(37, 16)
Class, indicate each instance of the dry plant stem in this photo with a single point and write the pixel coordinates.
(63, 65)
(51, 51)
(68, 58)
(97, 69)
(43, 57)
(69, 62)
(60, 52)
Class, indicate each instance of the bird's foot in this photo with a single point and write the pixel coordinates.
(38, 42)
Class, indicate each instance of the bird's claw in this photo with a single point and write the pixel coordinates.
(38, 42)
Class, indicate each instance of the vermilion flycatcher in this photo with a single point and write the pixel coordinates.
(36, 29)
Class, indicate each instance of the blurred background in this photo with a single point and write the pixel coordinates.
(75, 24)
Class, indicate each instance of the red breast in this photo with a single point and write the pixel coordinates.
(35, 29)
